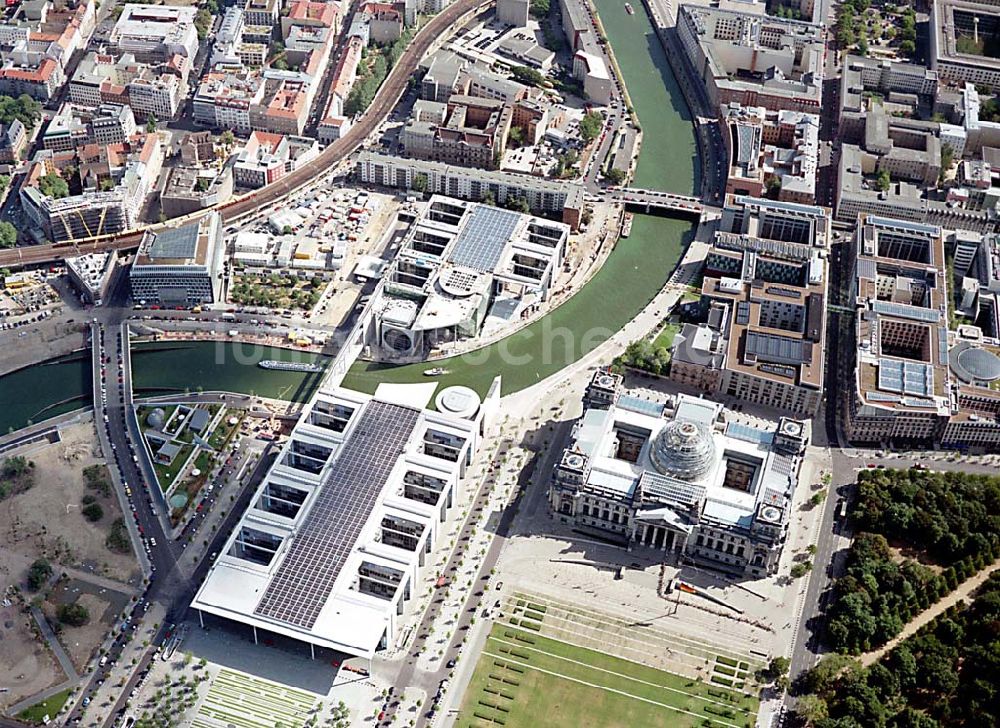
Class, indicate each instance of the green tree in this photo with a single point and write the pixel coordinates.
(38, 573)
(151, 123)
(93, 512)
(883, 182)
(527, 76)
(811, 709)
(52, 185)
(24, 108)
(908, 47)
(4, 182)
(8, 235)
(203, 22)
(419, 183)
(615, 176)
(590, 126)
(74, 614)
(516, 136)
(540, 8)
(227, 138)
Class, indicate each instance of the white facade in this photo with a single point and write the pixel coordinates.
(348, 594)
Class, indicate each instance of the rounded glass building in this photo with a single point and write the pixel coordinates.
(684, 450)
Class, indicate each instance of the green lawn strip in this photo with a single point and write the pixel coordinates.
(656, 690)
(546, 701)
(258, 705)
(239, 703)
(271, 697)
(599, 692)
(282, 692)
(50, 707)
(666, 336)
(601, 660)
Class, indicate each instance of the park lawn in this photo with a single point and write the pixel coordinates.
(49, 707)
(166, 474)
(665, 338)
(569, 697)
(224, 431)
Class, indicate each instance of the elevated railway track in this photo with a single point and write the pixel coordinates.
(386, 98)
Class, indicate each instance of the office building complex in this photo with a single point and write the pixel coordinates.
(155, 33)
(542, 195)
(915, 382)
(679, 478)
(116, 179)
(268, 157)
(473, 134)
(960, 31)
(754, 60)
(465, 267)
(149, 90)
(765, 294)
(91, 275)
(180, 266)
(771, 148)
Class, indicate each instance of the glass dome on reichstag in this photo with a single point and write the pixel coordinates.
(684, 450)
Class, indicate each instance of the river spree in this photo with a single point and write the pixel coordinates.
(61, 385)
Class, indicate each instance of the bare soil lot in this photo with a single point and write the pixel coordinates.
(104, 605)
(26, 666)
(46, 520)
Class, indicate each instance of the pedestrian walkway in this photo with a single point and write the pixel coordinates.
(932, 612)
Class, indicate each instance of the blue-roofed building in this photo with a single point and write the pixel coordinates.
(675, 477)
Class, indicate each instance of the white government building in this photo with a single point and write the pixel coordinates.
(679, 478)
(338, 532)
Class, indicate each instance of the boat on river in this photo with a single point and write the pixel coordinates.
(435, 372)
(289, 366)
(629, 9)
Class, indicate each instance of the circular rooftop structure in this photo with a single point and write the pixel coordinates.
(155, 418)
(972, 364)
(458, 401)
(684, 450)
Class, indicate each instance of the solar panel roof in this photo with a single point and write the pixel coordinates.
(902, 310)
(179, 242)
(906, 377)
(482, 240)
(779, 349)
(305, 578)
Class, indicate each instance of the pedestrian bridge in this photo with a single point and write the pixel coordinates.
(653, 201)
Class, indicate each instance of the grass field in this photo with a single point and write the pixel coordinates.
(665, 338)
(525, 680)
(50, 707)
